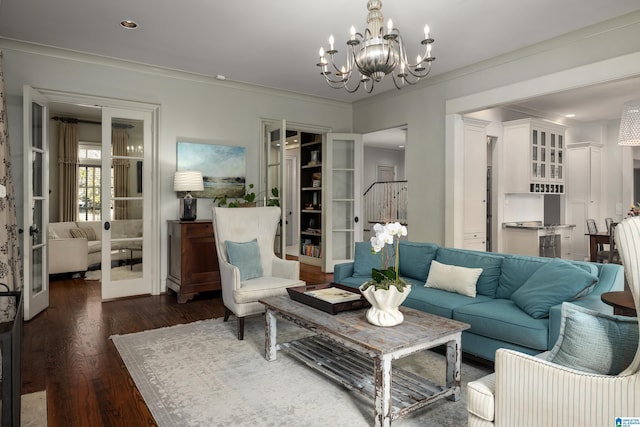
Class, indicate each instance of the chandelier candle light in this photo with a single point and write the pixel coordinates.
(374, 54)
(188, 181)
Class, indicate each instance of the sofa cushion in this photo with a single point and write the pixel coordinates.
(245, 256)
(364, 260)
(95, 246)
(595, 342)
(516, 269)
(553, 283)
(83, 233)
(437, 301)
(502, 319)
(453, 278)
(61, 229)
(415, 259)
(354, 281)
(490, 264)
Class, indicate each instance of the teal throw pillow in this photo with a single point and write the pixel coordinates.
(553, 283)
(595, 342)
(364, 260)
(245, 256)
(415, 259)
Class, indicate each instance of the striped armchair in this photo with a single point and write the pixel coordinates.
(533, 391)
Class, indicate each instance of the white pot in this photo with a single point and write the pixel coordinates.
(384, 305)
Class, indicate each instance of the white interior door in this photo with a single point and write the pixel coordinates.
(342, 198)
(291, 172)
(36, 201)
(126, 213)
(274, 155)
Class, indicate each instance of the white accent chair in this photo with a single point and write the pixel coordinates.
(242, 225)
(532, 391)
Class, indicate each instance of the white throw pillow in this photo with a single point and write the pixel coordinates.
(453, 278)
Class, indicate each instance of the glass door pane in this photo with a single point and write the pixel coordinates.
(36, 217)
(274, 155)
(126, 138)
(343, 167)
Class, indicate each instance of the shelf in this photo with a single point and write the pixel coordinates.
(310, 144)
(310, 192)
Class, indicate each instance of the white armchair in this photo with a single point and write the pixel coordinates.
(534, 391)
(249, 269)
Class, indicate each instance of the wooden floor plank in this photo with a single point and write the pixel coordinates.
(67, 351)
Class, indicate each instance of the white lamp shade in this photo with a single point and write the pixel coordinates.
(188, 181)
(630, 124)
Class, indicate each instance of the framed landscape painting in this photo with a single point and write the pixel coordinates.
(223, 167)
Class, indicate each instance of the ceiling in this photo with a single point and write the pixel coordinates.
(275, 44)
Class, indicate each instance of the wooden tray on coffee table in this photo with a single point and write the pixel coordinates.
(297, 293)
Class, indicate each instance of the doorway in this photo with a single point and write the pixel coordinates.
(385, 189)
(124, 218)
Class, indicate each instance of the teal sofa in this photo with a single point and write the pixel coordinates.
(517, 303)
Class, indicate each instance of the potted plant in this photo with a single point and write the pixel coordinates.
(274, 200)
(249, 199)
(386, 290)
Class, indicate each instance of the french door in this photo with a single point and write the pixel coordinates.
(274, 159)
(342, 198)
(125, 212)
(36, 201)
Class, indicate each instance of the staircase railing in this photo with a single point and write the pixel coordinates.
(385, 201)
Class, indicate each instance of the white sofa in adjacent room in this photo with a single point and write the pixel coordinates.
(77, 246)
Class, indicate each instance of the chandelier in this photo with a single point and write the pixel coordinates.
(375, 54)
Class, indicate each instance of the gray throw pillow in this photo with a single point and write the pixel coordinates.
(245, 256)
(595, 342)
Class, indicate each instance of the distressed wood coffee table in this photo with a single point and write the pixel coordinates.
(349, 350)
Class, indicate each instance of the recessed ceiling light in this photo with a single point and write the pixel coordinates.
(400, 146)
(569, 115)
(129, 25)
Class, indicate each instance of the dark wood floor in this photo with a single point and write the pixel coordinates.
(67, 351)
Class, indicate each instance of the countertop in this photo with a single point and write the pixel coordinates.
(532, 225)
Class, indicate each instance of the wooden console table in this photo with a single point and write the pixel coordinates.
(193, 260)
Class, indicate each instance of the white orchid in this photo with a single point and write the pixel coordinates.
(387, 235)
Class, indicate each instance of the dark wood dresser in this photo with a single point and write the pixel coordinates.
(193, 260)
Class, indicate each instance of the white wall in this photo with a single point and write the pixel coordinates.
(381, 156)
(191, 106)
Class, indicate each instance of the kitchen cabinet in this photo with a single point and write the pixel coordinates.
(525, 239)
(584, 192)
(475, 184)
(534, 153)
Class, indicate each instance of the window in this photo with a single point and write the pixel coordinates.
(89, 182)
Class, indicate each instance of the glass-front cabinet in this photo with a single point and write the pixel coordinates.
(537, 147)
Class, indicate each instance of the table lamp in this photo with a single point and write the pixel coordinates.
(188, 181)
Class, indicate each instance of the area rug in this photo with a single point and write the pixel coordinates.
(33, 409)
(199, 374)
(118, 273)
